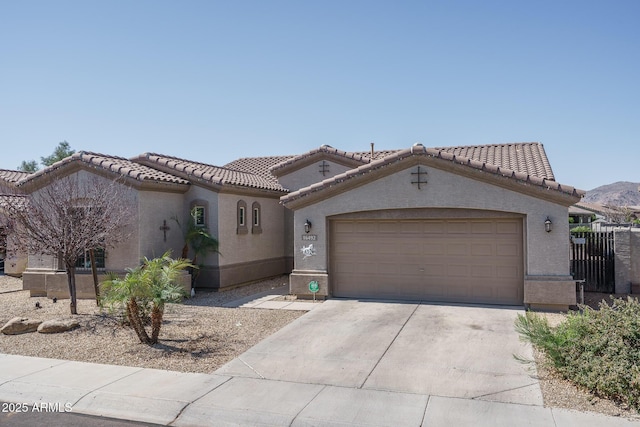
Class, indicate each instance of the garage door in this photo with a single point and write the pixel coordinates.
(453, 260)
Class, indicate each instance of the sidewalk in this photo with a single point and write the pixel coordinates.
(187, 399)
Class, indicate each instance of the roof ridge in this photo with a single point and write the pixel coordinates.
(208, 165)
(491, 145)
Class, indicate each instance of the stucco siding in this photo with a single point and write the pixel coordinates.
(154, 208)
(197, 196)
(545, 253)
(238, 248)
(311, 174)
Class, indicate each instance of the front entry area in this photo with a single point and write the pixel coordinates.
(466, 260)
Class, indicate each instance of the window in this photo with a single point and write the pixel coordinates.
(84, 260)
(256, 228)
(199, 211)
(198, 214)
(256, 217)
(242, 218)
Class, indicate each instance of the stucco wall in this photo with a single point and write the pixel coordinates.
(250, 256)
(154, 208)
(201, 196)
(311, 174)
(627, 260)
(15, 258)
(546, 254)
(236, 248)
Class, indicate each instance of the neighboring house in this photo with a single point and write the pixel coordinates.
(584, 215)
(454, 224)
(603, 217)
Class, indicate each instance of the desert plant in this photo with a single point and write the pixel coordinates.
(198, 239)
(597, 349)
(146, 289)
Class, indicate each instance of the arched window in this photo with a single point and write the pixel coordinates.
(241, 217)
(256, 218)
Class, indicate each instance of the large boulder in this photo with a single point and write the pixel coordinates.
(56, 326)
(20, 325)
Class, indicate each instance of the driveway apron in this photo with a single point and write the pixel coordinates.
(429, 349)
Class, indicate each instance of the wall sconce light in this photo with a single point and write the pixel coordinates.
(307, 226)
(548, 225)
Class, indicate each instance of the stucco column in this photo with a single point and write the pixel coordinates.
(635, 260)
(622, 248)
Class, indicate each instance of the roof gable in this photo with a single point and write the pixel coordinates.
(440, 158)
(325, 152)
(105, 164)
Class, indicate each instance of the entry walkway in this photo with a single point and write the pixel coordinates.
(273, 299)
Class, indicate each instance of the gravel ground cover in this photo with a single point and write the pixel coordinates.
(198, 336)
(201, 336)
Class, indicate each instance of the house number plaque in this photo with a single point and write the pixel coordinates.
(310, 237)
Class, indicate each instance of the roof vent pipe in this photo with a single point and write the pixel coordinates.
(372, 145)
(417, 145)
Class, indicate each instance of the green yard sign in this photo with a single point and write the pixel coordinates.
(314, 286)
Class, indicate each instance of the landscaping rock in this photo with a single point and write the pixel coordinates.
(56, 326)
(20, 325)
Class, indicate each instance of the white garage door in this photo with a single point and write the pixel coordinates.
(453, 260)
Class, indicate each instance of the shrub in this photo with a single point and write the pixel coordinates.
(144, 291)
(582, 229)
(597, 349)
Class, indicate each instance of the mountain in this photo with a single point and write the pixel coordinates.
(621, 193)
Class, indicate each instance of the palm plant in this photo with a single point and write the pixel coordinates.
(199, 240)
(146, 289)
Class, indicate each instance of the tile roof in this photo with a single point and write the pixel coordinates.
(442, 154)
(12, 177)
(525, 157)
(119, 165)
(209, 174)
(593, 207)
(258, 165)
(350, 157)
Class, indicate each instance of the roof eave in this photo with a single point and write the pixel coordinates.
(429, 157)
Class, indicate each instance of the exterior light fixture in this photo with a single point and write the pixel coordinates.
(548, 225)
(307, 226)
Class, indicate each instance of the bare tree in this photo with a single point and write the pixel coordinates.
(71, 215)
(620, 214)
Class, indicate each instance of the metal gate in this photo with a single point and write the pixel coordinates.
(592, 260)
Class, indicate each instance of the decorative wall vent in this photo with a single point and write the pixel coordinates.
(324, 168)
(419, 177)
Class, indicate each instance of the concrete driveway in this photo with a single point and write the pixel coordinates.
(426, 349)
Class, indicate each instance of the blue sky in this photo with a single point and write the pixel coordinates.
(214, 81)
